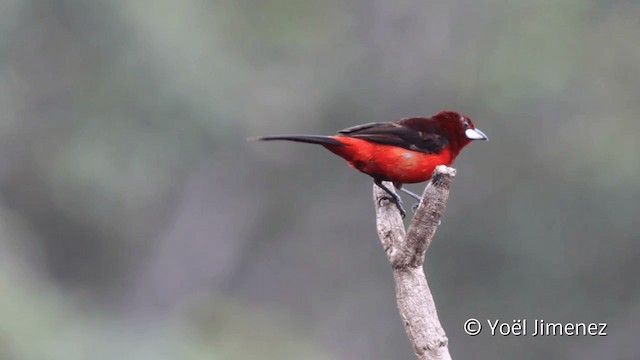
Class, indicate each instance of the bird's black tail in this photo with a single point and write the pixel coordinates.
(310, 139)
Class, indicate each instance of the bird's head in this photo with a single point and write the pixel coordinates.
(459, 126)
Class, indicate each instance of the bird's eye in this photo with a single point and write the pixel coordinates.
(465, 122)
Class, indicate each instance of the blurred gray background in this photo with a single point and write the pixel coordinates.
(137, 223)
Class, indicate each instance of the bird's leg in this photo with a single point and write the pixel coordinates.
(410, 193)
(393, 197)
(414, 207)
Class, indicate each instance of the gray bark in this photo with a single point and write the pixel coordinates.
(406, 253)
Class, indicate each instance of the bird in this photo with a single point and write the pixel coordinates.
(403, 151)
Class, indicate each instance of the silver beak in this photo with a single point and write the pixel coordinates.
(475, 134)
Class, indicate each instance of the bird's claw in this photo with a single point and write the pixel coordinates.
(397, 201)
(401, 209)
(415, 207)
(387, 198)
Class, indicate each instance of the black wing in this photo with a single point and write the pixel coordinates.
(417, 134)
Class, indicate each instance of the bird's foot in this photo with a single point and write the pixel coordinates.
(392, 196)
(398, 202)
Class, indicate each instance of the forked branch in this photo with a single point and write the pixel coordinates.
(406, 253)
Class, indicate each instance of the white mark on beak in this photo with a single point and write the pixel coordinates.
(475, 134)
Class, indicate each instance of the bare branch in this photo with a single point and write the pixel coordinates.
(406, 253)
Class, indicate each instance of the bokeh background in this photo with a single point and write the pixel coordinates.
(137, 223)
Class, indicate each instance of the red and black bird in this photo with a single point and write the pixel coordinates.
(401, 151)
